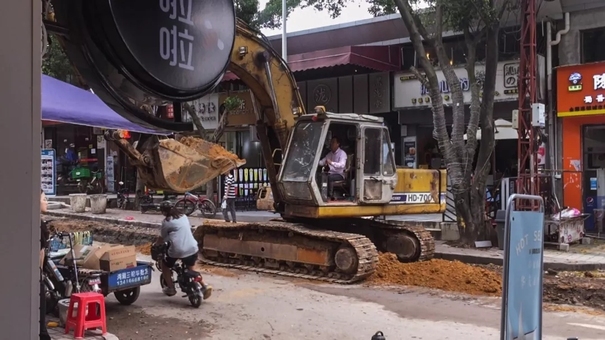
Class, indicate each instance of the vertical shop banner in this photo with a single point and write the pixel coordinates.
(109, 174)
(523, 259)
(49, 172)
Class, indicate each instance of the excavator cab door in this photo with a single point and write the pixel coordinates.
(376, 166)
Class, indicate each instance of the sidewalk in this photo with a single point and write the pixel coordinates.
(58, 333)
(553, 259)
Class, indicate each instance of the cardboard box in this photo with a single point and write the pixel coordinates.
(118, 257)
(87, 256)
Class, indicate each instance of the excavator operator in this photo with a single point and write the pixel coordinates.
(335, 162)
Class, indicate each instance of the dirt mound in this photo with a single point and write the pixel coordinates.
(206, 148)
(451, 276)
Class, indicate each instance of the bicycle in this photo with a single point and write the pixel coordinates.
(190, 203)
(94, 186)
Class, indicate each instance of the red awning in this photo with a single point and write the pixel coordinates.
(373, 57)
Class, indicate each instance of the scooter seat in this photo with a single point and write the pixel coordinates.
(192, 273)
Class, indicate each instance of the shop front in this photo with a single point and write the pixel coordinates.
(412, 100)
(581, 110)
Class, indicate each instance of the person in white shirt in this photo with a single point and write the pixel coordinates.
(336, 161)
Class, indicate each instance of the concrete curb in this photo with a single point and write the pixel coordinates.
(558, 266)
(104, 219)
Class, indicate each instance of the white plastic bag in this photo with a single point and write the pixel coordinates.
(224, 205)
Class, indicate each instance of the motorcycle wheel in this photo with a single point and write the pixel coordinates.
(82, 186)
(185, 206)
(162, 282)
(128, 296)
(208, 208)
(196, 298)
(97, 188)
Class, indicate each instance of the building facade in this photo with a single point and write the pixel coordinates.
(580, 110)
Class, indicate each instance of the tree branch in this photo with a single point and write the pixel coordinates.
(196, 120)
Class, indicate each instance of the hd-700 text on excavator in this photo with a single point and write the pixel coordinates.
(138, 54)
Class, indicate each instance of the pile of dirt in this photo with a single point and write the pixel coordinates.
(450, 276)
(587, 291)
(108, 233)
(209, 149)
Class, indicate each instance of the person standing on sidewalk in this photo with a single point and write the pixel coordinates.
(44, 236)
(228, 204)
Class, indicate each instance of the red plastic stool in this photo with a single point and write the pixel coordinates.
(82, 320)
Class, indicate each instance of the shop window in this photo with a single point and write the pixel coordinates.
(593, 144)
(592, 45)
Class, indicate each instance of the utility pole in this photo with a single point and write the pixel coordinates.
(528, 180)
(284, 38)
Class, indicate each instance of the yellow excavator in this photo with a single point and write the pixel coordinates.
(335, 240)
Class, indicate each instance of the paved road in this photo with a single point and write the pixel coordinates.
(251, 306)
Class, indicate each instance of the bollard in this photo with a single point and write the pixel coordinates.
(378, 336)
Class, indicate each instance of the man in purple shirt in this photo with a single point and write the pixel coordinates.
(336, 161)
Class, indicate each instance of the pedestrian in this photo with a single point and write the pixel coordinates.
(228, 204)
(44, 236)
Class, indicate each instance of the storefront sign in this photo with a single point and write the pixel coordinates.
(581, 90)
(410, 93)
(49, 172)
(207, 109)
(183, 46)
(243, 115)
(109, 173)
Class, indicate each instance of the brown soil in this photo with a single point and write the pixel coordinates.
(439, 274)
(144, 249)
(206, 148)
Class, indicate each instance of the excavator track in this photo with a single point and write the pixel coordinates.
(349, 257)
(422, 238)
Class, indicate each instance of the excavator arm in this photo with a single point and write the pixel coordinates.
(275, 94)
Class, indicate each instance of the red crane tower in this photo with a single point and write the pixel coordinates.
(528, 181)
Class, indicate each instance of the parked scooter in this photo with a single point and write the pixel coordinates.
(147, 203)
(189, 281)
(123, 196)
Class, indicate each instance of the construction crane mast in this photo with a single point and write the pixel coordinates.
(528, 181)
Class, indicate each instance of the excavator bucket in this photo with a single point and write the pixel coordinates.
(179, 166)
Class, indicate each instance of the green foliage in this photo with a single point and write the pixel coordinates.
(233, 103)
(56, 63)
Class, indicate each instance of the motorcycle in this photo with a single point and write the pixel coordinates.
(147, 202)
(123, 196)
(62, 280)
(189, 281)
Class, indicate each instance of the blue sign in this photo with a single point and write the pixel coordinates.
(48, 171)
(129, 277)
(593, 183)
(523, 268)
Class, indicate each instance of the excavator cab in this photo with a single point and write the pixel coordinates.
(369, 176)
